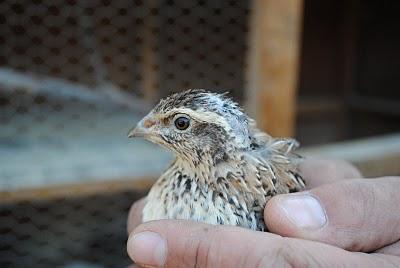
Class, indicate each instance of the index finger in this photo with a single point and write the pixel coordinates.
(317, 172)
(135, 214)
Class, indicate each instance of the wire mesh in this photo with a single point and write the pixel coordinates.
(74, 77)
(77, 232)
(120, 44)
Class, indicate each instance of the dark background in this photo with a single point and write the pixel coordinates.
(350, 66)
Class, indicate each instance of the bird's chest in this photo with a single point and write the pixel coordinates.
(183, 198)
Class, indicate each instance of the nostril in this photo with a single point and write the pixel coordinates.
(148, 123)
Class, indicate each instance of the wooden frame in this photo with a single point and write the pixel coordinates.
(76, 190)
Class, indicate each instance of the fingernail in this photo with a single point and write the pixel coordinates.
(148, 249)
(304, 211)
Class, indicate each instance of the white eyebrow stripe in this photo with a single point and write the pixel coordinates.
(240, 131)
(202, 116)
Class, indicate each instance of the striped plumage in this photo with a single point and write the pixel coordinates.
(225, 169)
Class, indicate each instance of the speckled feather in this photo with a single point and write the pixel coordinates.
(225, 169)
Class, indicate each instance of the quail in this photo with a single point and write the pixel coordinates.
(225, 169)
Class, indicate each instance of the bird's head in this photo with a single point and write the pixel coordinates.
(197, 125)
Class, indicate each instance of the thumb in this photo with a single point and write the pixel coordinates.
(357, 215)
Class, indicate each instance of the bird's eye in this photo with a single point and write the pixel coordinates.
(182, 123)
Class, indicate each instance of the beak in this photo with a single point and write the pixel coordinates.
(142, 129)
(136, 132)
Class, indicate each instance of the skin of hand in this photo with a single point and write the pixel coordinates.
(340, 220)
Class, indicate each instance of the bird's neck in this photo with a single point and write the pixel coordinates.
(195, 166)
(203, 172)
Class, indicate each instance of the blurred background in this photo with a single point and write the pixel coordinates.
(76, 75)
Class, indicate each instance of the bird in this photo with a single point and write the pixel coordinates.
(225, 169)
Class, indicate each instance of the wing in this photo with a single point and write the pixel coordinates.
(276, 165)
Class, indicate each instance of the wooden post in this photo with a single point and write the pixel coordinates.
(149, 72)
(273, 64)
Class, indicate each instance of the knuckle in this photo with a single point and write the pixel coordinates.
(282, 254)
(353, 171)
(198, 249)
(138, 205)
(326, 167)
(338, 169)
(363, 198)
(203, 254)
(292, 253)
(366, 197)
(347, 170)
(359, 198)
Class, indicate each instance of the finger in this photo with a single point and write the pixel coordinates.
(358, 215)
(135, 215)
(392, 249)
(317, 172)
(177, 244)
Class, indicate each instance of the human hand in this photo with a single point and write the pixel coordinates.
(357, 215)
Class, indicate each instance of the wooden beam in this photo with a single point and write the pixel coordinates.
(149, 70)
(273, 64)
(77, 190)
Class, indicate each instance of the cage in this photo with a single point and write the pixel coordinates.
(74, 77)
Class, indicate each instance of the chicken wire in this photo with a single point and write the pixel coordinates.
(76, 232)
(74, 77)
(117, 44)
